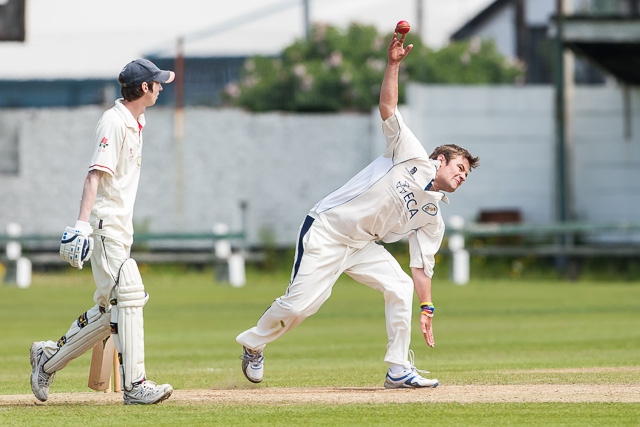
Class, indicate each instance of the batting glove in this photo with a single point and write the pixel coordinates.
(76, 244)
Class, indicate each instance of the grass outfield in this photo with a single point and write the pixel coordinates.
(489, 334)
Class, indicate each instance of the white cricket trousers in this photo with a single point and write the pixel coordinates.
(320, 260)
(108, 255)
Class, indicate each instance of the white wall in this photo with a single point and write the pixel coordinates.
(510, 128)
(281, 164)
(607, 164)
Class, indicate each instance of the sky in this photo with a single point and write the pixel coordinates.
(91, 39)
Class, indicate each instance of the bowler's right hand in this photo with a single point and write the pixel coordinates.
(426, 326)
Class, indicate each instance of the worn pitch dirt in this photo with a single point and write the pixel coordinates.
(574, 393)
(464, 394)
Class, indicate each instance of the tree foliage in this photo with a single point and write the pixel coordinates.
(338, 70)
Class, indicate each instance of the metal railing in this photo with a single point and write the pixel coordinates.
(18, 252)
(569, 239)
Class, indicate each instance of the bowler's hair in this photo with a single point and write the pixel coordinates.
(451, 151)
(135, 92)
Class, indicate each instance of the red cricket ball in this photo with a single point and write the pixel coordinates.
(403, 27)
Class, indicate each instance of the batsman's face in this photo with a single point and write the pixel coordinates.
(152, 92)
(451, 175)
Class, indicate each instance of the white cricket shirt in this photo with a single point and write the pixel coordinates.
(389, 199)
(118, 152)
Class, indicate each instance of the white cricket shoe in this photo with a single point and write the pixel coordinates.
(252, 365)
(147, 392)
(40, 380)
(409, 378)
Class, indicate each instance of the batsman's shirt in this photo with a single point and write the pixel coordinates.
(118, 152)
(390, 199)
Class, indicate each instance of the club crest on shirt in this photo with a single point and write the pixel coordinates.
(104, 142)
(430, 209)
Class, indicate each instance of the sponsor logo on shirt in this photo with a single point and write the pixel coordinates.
(407, 197)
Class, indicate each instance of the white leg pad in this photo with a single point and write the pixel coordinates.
(127, 324)
(91, 327)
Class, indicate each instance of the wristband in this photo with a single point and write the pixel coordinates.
(427, 309)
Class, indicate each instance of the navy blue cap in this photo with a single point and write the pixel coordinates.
(142, 70)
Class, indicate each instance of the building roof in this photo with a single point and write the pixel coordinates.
(469, 29)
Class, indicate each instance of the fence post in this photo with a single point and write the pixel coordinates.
(229, 266)
(237, 276)
(460, 256)
(18, 268)
(222, 251)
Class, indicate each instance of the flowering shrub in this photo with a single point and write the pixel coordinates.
(341, 70)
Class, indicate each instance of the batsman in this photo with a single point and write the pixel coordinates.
(103, 234)
(397, 196)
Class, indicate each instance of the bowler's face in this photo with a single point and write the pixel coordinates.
(451, 175)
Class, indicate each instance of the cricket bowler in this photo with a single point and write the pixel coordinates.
(396, 196)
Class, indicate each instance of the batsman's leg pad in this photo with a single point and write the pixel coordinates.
(127, 324)
(91, 327)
